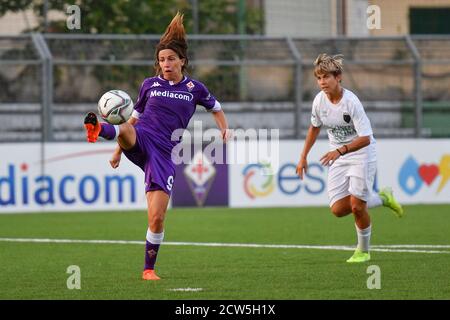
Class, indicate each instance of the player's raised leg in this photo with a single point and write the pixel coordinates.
(124, 133)
(126, 137)
(157, 203)
(385, 197)
(94, 128)
(374, 200)
(389, 201)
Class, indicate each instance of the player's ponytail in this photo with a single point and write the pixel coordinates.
(174, 38)
(175, 30)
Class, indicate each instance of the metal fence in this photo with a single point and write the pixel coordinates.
(49, 81)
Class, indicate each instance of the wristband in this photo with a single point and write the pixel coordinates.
(339, 152)
(346, 149)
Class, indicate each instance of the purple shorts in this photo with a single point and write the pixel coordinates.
(157, 164)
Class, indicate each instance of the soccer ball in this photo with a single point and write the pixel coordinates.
(115, 106)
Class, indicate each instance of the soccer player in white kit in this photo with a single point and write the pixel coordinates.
(352, 158)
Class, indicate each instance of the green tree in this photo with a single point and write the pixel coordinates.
(133, 17)
(142, 17)
(14, 5)
(116, 16)
(221, 17)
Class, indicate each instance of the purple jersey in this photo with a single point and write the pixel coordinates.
(164, 107)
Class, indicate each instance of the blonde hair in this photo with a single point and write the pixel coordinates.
(174, 38)
(325, 64)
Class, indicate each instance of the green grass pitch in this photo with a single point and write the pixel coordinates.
(112, 271)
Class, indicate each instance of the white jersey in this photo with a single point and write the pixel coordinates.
(344, 121)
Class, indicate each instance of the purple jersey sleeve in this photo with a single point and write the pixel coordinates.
(142, 98)
(205, 98)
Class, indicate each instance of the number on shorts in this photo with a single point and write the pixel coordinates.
(169, 183)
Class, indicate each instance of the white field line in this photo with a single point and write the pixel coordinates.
(379, 248)
(437, 246)
(186, 289)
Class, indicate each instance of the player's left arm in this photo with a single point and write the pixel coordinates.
(362, 126)
(355, 145)
(210, 103)
(222, 124)
(363, 129)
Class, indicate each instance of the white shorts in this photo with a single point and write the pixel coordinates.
(351, 179)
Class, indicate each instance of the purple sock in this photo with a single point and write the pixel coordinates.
(107, 131)
(151, 251)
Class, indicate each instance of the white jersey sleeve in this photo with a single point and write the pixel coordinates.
(360, 120)
(315, 114)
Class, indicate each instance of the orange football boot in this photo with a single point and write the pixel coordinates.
(150, 275)
(92, 126)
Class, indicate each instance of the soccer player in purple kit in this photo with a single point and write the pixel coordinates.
(166, 103)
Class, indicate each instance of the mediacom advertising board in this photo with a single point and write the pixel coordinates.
(67, 176)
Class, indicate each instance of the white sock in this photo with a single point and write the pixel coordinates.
(117, 128)
(154, 238)
(364, 238)
(374, 200)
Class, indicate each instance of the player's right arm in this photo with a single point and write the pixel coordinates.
(311, 137)
(117, 154)
(313, 132)
(138, 110)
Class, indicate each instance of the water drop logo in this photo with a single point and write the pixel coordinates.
(413, 176)
(409, 178)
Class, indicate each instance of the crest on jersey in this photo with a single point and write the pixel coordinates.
(347, 117)
(200, 175)
(190, 86)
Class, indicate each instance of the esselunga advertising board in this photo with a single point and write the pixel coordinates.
(417, 170)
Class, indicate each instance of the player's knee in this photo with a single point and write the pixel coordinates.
(335, 211)
(338, 211)
(358, 208)
(157, 220)
(156, 226)
(125, 129)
